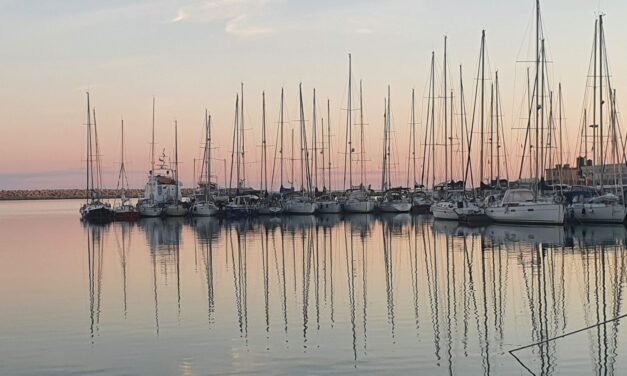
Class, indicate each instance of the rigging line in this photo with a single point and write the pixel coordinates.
(511, 352)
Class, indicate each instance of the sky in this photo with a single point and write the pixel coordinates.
(193, 55)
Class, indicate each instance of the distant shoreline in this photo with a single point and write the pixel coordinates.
(67, 194)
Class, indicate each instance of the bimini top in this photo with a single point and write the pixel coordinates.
(518, 195)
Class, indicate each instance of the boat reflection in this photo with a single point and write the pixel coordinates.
(358, 285)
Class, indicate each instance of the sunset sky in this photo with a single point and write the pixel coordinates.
(191, 55)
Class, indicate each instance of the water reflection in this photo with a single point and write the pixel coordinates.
(366, 292)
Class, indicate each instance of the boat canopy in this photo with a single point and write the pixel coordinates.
(518, 195)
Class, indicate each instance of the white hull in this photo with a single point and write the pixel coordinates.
(150, 210)
(354, 206)
(204, 209)
(175, 211)
(270, 210)
(395, 207)
(597, 212)
(528, 212)
(300, 207)
(444, 210)
(329, 207)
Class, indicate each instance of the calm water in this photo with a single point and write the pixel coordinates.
(305, 295)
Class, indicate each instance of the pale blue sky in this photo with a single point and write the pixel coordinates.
(193, 54)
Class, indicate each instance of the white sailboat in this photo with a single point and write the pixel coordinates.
(604, 207)
(327, 203)
(205, 207)
(302, 202)
(358, 200)
(528, 206)
(176, 208)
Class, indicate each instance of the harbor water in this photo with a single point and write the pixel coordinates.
(333, 294)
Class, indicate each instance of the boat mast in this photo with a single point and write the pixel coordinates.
(481, 160)
(433, 117)
(208, 146)
(242, 143)
(537, 100)
(349, 126)
(361, 135)
(176, 162)
(264, 172)
(601, 103)
(388, 142)
(88, 154)
(498, 131)
(324, 182)
(413, 134)
(281, 131)
(314, 141)
(446, 161)
(152, 143)
(329, 137)
(292, 159)
(384, 167)
(462, 108)
(491, 134)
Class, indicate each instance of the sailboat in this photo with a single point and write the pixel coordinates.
(94, 209)
(395, 200)
(124, 211)
(328, 203)
(176, 208)
(302, 202)
(421, 202)
(271, 203)
(243, 204)
(523, 205)
(160, 183)
(603, 207)
(358, 199)
(205, 207)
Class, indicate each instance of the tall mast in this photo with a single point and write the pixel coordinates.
(329, 137)
(281, 131)
(324, 182)
(292, 152)
(543, 91)
(481, 160)
(361, 135)
(388, 140)
(349, 124)
(491, 133)
(176, 162)
(314, 141)
(385, 165)
(498, 134)
(601, 103)
(433, 116)
(462, 109)
(450, 140)
(264, 172)
(413, 134)
(238, 141)
(446, 161)
(537, 99)
(208, 146)
(152, 143)
(88, 152)
(242, 143)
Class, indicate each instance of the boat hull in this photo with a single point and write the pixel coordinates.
(597, 213)
(444, 210)
(175, 211)
(528, 213)
(98, 214)
(329, 207)
(270, 210)
(395, 207)
(204, 209)
(301, 208)
(150, 211)
(354, 206)
(126, 216)
(232, 212)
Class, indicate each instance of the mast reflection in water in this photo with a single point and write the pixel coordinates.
(329, 294)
